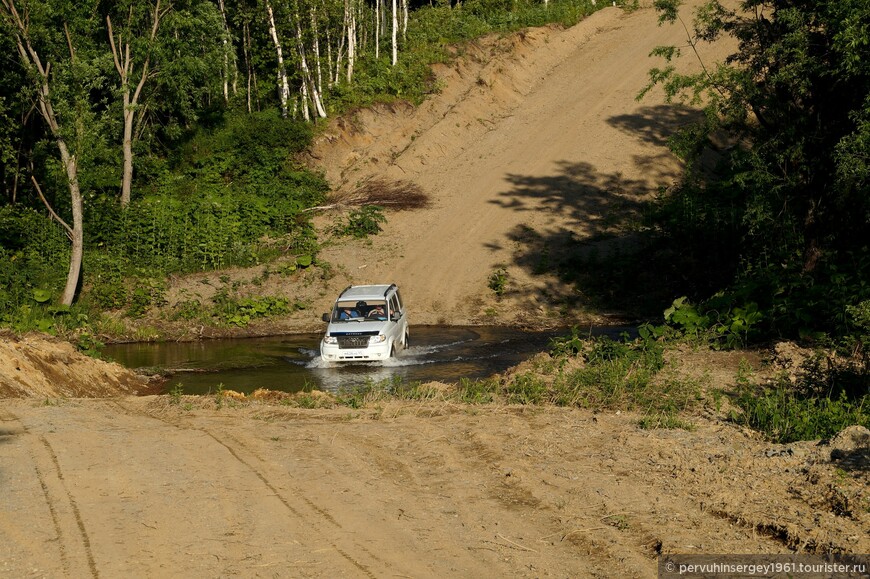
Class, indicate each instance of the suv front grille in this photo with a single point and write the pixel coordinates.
(353, 342)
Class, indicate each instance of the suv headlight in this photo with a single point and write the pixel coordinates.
(330, 340)
(377, 339)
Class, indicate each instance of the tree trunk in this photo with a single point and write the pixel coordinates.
(329, 67)
(350, 24)
(378, 29)
(309, 88)
(127, 147)
(246, 48)
(283, 83)
(30, 59)
(230, 66)
(124, 65)
(77, 249)
(339, 58)
(395, 33)
(317, 58)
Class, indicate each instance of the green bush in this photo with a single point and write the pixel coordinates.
(362, 222)
(622, 374)
(34, 254)
(572, 345)
(476, 391)
(722, 324)
(784, 415)
(240, 312)
(498, 281)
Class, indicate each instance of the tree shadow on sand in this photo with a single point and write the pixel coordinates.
(656, 124)
(601, 245)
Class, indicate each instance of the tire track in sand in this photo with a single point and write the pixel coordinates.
(237, 450)
(54, 492)
(77, 515)
(323, 514)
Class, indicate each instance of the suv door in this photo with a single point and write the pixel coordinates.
(397, 314)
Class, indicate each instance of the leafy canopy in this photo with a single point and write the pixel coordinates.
(785, 212)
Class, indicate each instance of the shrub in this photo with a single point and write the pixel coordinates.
(362, 222)
(784, 415)
(620, 374)
(498, 281)
(476, 391)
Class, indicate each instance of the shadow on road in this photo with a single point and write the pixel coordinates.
(656, 124)
(609, 257)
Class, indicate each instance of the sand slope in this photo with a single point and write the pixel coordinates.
(534, 139)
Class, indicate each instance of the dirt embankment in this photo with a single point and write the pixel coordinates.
(533, 137)
(41, 367)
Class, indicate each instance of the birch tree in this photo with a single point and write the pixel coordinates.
(283, 82)
(66, 130)
(395, 31)
(125, 58)
(350, 31)
(378, 28)
(310, 93)
(249, 65)
(318, 65)
(247, 15)
(230, 64)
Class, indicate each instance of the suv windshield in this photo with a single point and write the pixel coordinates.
(361, 310)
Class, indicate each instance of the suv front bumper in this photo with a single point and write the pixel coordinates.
(373, 352)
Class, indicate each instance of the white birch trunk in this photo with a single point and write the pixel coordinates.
(329, 60)
(283, 82)
(246, 42)
(351, 38)
(377, 29)
(317, 64)
(306, 110)
(395, 33)
(404, 20)
(309, 89)
(230, 66)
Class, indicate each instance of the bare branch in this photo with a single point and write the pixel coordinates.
(69, 231)
(72, 50)
(112, 45)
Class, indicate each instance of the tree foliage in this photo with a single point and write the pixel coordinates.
(168, 126)
(785, 214)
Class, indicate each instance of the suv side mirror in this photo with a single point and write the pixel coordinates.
(325, 317)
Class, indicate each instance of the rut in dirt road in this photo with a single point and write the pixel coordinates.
(37, 464)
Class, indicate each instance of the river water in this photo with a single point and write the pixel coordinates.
(292, 362)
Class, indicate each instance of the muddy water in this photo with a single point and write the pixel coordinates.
(292, 362)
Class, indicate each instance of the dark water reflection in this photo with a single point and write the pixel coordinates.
(289, 363)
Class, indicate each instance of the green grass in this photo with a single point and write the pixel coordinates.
(784, 415)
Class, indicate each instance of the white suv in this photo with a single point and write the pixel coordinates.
(368, 322)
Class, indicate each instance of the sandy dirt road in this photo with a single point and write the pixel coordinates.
(139, 487)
